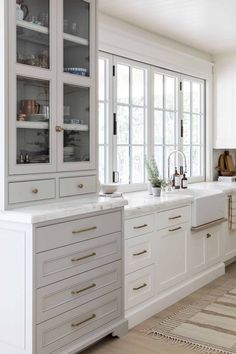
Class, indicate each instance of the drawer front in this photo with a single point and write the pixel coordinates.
(77, 185)
(58, 235)
(139, 286)
(52, 300)
(70, 326)
(173, 217)
(68, 261)
(139, 252)
(29, 191)
(139, 226)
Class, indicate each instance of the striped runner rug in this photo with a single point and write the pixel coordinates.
(207, 325)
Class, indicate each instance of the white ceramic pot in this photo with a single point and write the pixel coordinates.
(109, 188)
(156, 191)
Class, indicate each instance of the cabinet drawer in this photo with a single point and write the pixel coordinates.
(29, 191)
(139, 286)
(57, 235)
(139, 252)
(67, 261)
(52, 300)
(139, 226)
(70, 326)
(173, 217)
(77, 185)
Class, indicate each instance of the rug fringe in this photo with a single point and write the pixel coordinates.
(201, 348)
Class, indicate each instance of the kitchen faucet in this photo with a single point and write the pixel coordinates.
(184, 159)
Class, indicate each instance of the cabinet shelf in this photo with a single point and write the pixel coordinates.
(32, 26)
(32, 125)
(74, 40)
(76, 127)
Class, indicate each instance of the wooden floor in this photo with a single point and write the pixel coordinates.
(137, 343)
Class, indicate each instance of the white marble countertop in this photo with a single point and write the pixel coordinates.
(61, 209)
(227, 188)
(142, 202)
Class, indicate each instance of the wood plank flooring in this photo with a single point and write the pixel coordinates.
(136, 343)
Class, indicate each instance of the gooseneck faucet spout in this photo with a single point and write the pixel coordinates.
(184, 159)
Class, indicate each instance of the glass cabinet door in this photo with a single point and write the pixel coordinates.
(32, 33)
(32, 121)
(76, 139)
(76, 37)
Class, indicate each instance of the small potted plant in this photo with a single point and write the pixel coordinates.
(154, 177)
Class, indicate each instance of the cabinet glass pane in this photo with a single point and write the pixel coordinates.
(32, 32)
(32, 121)
(76, 124)
(76, 37)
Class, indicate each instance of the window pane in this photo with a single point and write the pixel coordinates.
(101, 79)
(169, 93)
(168, 150)
(158, 91)
(187, 154)
(138, 86)
(158, 127)
(196, 97)
(137, 126)
(196, 161)
(138, 164)
(196, 129)
(170, 127)
(122, 125)
(186, 123)
(101, 164)
(101, 123)
(122, 83)
(158, 154)
(186, 96)
(123, 163)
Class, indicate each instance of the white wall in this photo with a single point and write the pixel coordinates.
(120, 38)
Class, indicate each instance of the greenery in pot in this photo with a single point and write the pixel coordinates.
(153, 173)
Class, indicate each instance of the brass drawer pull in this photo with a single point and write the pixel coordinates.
(84, 230)
(84, 257)
(140, 287)
(208, 235)
(81, 186)
(176, 229)
(140, 226)
(59, 129)
(76, 292)
(175, 217)
(81, 322)
(35, 190)
(139, 253)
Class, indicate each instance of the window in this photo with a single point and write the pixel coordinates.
(148, 111)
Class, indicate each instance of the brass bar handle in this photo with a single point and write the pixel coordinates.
(76, 292)
(208, 235)
(140, 253)
(84, 257)
(59, 129)
(35, 190)
(175, 217)
(84, 230)
(140, 226)
(140, 287)
(81, 322)
(176, 229)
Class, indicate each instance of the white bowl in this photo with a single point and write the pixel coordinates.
(109, 188)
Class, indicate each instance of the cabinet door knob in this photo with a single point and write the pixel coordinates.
(208, 235)
(59, 129)
(35, 190)
(81, 186)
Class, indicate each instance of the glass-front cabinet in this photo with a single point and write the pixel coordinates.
(52, 85)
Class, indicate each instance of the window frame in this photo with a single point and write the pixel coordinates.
(149, 117)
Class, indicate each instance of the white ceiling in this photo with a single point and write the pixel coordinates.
(207, 25)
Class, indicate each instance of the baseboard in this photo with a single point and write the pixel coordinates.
(230, 261)
(165, 299)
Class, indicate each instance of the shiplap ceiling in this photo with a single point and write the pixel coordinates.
(208, 25)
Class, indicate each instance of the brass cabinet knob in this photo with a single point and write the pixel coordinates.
(81, 186)
(35, 190)
(59, 129)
